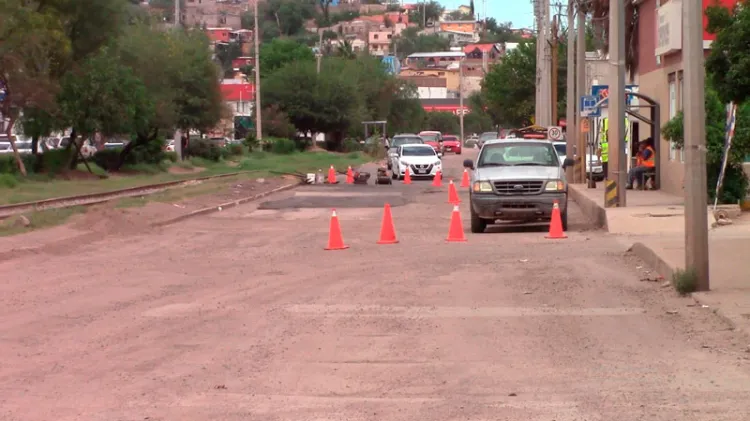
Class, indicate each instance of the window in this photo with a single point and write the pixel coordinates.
(681, 90)
(672, 111)
(417, 151)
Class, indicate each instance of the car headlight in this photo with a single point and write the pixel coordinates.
(555, 185)
(437, 163)
(482, 187)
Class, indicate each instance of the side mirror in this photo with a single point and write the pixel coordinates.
(468, 163)
(568, 162)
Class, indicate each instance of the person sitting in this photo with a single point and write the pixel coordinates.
(646, 161)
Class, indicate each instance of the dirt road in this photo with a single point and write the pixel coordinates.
(241, 315)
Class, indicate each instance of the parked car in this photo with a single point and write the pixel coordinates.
(432, 138)
(420, 159)
(485, 137)
(472, 141)
(451, 144)
(399, 140)
(5, 147)
(593, 162)
(517, 180)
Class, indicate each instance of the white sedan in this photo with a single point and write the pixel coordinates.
(421, 160)
(592, 162)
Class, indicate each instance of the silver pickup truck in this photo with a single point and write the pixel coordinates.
(517, 180)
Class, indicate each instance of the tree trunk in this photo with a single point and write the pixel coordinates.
(71, 145)
(19, 161)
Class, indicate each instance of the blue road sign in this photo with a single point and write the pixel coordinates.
(602, 92)
(588, 106)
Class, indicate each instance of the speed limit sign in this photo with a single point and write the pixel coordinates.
(555, 133)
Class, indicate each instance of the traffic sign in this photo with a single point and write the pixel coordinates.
(585, 127)
(588, 106)
(601, 92)
(555, 133)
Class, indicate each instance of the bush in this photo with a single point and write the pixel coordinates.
(53, 161)
(171, 156)
(8, 163)
(8, 181)
(281, 146)
(107, 159)
(352, 145)
(251, 142)
(236, 150)
(204, 148)
(151, 152)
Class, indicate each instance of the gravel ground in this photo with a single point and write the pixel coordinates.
(241, 315)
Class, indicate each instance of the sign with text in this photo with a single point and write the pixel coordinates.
(602, 92)
(669, 28)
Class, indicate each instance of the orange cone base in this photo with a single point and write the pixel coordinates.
(460, 240)
(561, 237)
(388, 242)
(336, 248)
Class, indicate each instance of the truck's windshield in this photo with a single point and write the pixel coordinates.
(518, 154)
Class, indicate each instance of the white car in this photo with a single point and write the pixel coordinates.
(421, 160)
(592, 162)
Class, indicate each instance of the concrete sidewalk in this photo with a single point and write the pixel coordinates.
(653, 228)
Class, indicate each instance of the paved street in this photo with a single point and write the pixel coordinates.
(241, 315)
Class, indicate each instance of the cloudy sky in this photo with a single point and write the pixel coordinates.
(520, 12)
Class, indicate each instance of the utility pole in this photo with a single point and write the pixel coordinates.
(461, 97)
(545, 114)
(178, 133)
(616, 107)
(581, 88)
(570, 110)
(539, 60)
(555, 65)
(319, 54)
(696, 195)
(256, 36)
(177, 13)
(424, 14)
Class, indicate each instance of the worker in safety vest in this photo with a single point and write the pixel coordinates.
(646, 161)
(603, 151)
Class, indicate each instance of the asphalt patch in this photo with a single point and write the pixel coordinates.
(337, 197)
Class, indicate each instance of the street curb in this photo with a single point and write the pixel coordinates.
(591, 210)
(226, 205)
(652, 259)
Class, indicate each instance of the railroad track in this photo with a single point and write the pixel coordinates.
(96, 198)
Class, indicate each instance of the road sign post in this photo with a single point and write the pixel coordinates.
(589, 108)
(555, 133)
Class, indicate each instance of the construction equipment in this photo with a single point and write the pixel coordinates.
(361, 177)
(382, 177)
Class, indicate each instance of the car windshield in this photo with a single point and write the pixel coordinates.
(518, 154)
(398, 141)
(429, 137)
(417, 151)
(488, 136)
(560, 148)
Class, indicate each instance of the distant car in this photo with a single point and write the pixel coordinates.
(485, 137)
(432, 138)
(5, 147)
(472, 141)
(451, 144)
(420, 159)
(593, 163)
(399, 140)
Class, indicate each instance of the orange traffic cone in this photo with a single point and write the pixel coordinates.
(335, 239)
(387, 229)
(456, 230)
(465, 180)
(453, 194)
(331, 175)
(407, 176)
(349, 175)
(555, 225)
(438, 180)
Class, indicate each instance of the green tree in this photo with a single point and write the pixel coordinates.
(446, 123)
(34, 46)
(727, 65)
(225, 54)
(410, 42)
(279, 52)
(432, 10)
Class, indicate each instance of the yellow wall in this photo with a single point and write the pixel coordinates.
(451, 76)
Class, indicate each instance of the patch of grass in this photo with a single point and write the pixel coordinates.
(95, 169)
(685, 281)
(43, 186)
(146, 168)
(8, 181)
(40, 219)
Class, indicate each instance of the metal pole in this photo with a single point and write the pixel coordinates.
(319, 55)
(616, 107)
(571, 129)
(546, 115)
(177, 13)
(539, 61)
(461, 97)
(424, 14)
(581, 88)
(256, 35)
(696, 195)
(553, 71)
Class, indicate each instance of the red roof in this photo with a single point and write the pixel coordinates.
(235, 92)
(218, 34)
(485, 48)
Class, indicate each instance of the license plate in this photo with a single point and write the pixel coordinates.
(448, 149)
(421, 171)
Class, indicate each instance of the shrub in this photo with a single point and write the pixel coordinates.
(8, 163)
(204, 148)
(171, 156)
(235, 149)
(251, 141)
(8, 181)
(685, 281)
(107, 159)
(282, 146)
(352, 145)
(151, 152)
(53, 161)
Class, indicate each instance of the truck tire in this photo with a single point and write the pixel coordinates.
(478, 225)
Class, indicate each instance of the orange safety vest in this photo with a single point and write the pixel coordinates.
(650, 162)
